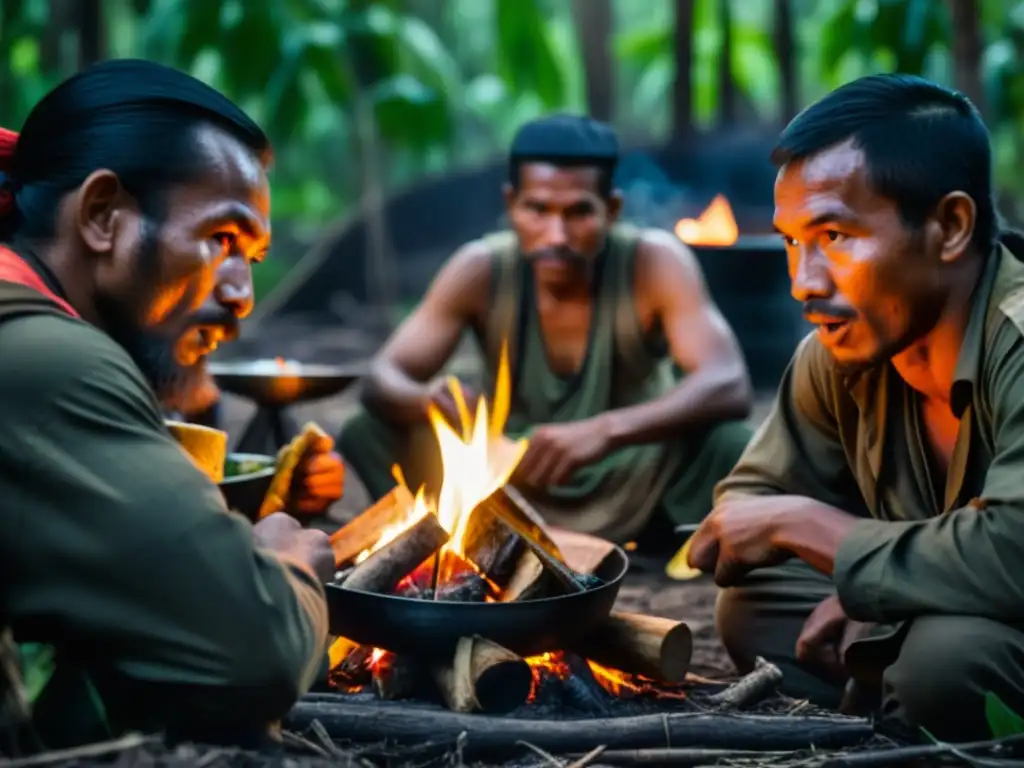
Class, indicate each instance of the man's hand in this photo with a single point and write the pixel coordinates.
(748, 532)
(825, 637)
(556, 451)
(319, 480)
(738, 536)
(284, 535)
(448, 403)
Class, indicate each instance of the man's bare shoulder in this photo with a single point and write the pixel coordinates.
(659, 252)
(464, 282)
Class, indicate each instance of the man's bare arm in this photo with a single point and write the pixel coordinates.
(397, 386)
(717, 386)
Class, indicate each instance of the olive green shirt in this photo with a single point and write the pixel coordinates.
(117, 551)
(857, 442)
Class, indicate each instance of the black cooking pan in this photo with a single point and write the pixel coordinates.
(433, 627)
(276, 385)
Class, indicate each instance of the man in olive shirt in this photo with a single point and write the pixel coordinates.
(130, 186)
(893, 460)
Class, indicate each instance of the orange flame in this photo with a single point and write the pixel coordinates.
(715, 226)
(476, 459)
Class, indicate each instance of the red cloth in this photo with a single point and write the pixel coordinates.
(14, 269)
(8, 141)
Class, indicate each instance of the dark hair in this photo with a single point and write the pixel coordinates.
(920, 141)
(566, 141)
(134, 117)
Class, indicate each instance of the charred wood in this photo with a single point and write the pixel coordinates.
(384, 569)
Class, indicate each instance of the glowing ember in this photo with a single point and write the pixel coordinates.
(715, 226)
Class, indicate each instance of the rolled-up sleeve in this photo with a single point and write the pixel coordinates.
(119, 550)
(966, 561)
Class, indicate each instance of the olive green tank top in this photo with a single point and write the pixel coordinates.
(622, 366)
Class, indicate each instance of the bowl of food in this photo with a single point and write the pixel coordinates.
(247, 478)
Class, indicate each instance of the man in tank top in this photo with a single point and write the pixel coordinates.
(626, 378)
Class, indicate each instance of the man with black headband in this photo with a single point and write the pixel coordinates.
(129, 190)
(891, 469)
(599, 319)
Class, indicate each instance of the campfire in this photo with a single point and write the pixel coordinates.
(480, 541)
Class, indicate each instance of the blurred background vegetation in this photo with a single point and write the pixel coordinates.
(364, 96)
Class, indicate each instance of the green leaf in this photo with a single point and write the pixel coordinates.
(36, 667)
(1002, 720)
(525, 58)
(409, 113)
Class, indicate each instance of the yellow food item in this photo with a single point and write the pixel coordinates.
(678, 568)
(207, 447)
(288, 459)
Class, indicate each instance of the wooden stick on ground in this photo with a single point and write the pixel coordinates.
(749, 689)
(483, 676)
(496, 735)
(382, 570)
(362, 532)
(651, 646)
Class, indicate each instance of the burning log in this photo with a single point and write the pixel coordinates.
(483, 676)
(362, 532)
(492, 546)
(511, 508)
(401, 678)
(529, 580)
(354, 667)
(382, 570)
(651, 646)
(467, 587)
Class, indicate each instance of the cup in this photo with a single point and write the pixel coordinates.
(207, 447)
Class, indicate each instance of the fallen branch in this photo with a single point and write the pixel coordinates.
(490, 735)
(750, 689)
(684, 756)
(129, 741)
(898, 755)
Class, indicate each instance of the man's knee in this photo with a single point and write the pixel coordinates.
(764, 617)
(945, 666)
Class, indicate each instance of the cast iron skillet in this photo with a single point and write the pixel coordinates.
(294, 383)
(433, 627)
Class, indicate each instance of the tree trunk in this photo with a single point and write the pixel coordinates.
(785, 53)
(593, 21)
(967, 50)
(682, 88)
(90, 32)
(726, 84)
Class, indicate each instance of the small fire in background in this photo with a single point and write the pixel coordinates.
(715, 226)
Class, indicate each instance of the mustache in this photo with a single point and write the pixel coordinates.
(823, 307)
(219, 317)
(556, 254)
